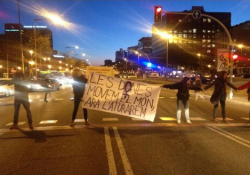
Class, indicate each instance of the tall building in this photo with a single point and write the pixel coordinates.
(145, 45)
(189, 37)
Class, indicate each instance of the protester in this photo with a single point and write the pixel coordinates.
(21, 97)
(183, 96)
(78, 89)
(244, 86)
(219, 94)
(47, 89)
(198, 84)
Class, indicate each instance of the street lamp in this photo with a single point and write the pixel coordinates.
(199, 56)
(31, 63)
(126, 64)
(240, 46)
(138, 54)
(166, 36)
(49, 66)
(1, 66)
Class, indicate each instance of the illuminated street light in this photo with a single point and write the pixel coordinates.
(45, 59)
(49, 66)
(240, 46)
(1, 66)
(60, 67)
(48, 58)
(31, 52)
(60, 62)
(19, 68)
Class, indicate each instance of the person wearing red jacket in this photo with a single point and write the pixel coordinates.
(246, 86)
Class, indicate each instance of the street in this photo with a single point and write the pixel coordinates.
(115, 144)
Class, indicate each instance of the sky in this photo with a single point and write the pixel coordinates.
(100, 28)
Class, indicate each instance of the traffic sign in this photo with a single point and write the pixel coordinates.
(196, 14)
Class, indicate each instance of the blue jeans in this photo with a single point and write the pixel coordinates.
(186, 106)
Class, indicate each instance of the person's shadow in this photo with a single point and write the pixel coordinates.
(37, 136)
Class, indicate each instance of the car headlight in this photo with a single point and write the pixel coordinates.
(37, 86)
(29, 86)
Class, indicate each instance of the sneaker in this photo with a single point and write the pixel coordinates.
(14, 126)
(72, 124)
(87, 123)
(189, 122)
(178, 122)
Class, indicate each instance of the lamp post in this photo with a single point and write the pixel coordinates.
(199, 56)
(240, 46)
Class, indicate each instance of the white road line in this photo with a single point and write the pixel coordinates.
(172, 97)
(197, 118)
(41, 100)
(161, 97)
(59, 99)
(109, 119)
(48, 121)
(125, 161)
(110, 155)
(168, 118)
(19, 123)
(79, 120)
(233, 137)
(245, 118)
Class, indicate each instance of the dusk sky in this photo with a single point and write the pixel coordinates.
(100, 28)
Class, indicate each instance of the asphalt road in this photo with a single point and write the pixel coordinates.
(115, 144)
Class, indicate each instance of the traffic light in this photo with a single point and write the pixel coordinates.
(158, 14)
(235, 60)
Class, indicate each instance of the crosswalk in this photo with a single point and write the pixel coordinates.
(164, 119)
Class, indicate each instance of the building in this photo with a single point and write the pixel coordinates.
(145, 45)
(10, 50)
(189, 37)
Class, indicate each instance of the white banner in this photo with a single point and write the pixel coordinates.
(222, 60)
(121, 96)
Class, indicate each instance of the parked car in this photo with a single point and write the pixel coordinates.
(5, 88)
(154, 75)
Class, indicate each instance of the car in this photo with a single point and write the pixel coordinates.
(204, 79)
(246, 76)
(6, 89)
(43, 85)
(154, 75)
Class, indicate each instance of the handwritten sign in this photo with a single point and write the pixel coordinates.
(222, 60)
(121, 96)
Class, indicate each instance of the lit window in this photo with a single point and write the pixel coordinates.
(213, 31)
(194, 30)
(204, 40)
(209, 20)
(208, 31)
(190, 36)
(170, 31)
(184, 31)
(208, 45)
(184, 35)
(204, 19)
(180, 35)
(209, 51)
(194, 35)
(180, 20)
(203, 36)
(204, 31)
(203, 46)
(208, 40)
(175, 31)
(213, 45)
(213, 41)
(189, 31)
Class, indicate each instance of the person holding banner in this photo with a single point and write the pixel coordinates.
(219, 95)
(78, 89)
(183, 96)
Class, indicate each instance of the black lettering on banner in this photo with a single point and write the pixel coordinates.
(143, 112)
(103, 106)
(127, 87)
(90, 80)
(110, 86)
(96, 92)
(121, 85)
(140, 89)
(90, 90)
(149, 93)
(99, 79)
(92, 103)
(132, 110)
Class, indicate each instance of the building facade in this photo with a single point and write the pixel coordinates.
(190, 37)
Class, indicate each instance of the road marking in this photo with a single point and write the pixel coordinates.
(41, 100)
(125, 161)
(30, 100)
(79, 120)
(168, 118)
(48, 121)
(233, 137)
(137, 119)
(197, 118)
(229, 119)
(172, 97)
(10, 101)
(161, 97)
(59, 99)
(110, 155)
(245, 118)
(19, 123)
(109, 119)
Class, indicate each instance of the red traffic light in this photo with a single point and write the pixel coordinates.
(158, 14)
(235, 57)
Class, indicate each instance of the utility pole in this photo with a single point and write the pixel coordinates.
(20, 32)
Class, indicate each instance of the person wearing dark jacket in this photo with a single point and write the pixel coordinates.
(78, 89)
(21, 97)
(183, 96)
(246, 86)
(219, 94)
